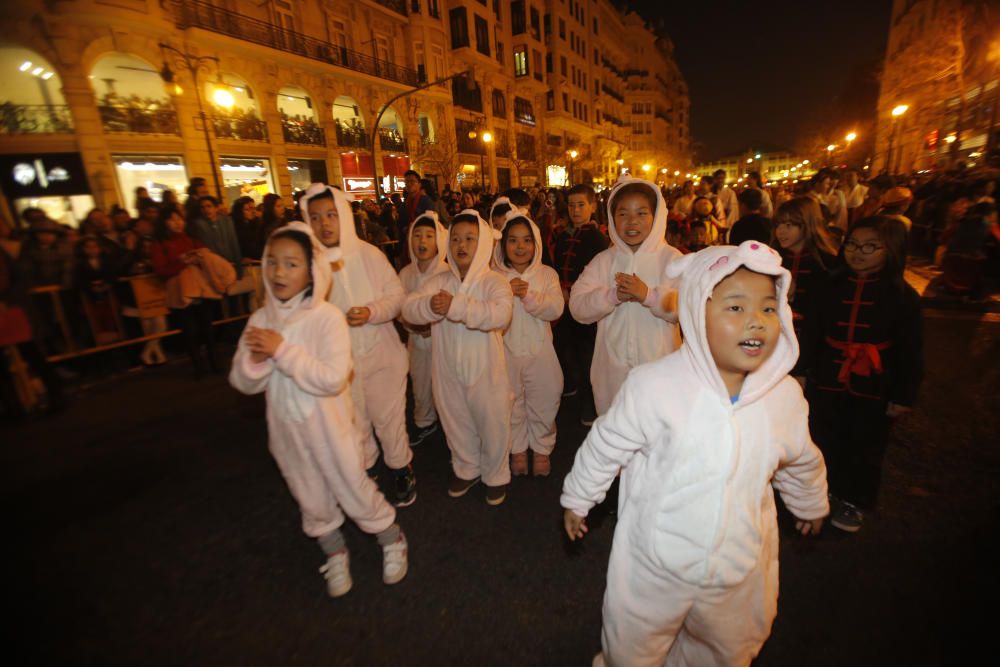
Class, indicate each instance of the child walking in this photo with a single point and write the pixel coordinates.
(468, 308)
(862, 353)
(367, 290)
(702, 435)
(624, 291)
(428, 241)
(297, 349)
(536, 378)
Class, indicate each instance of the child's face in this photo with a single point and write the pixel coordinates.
(633, 219)
(580, 209)
(742, 325)
(520, 247)
(288, 272)
(860, 241)
(498, 220)
(325, 221)
(464, 241)
(424, 243)
(790, 236)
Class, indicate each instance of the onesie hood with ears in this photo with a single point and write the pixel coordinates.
(657, 234)
(484, 250)
(699, 273)
(440, 262)
(349, 241)
(280, 315)
(499, 201)
(498, 252)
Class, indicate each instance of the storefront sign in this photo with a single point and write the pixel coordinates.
(359, 185)
(43, 175)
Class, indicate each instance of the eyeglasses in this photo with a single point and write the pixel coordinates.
(863, 248)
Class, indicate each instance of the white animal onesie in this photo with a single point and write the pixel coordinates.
(419, 343)
(469, 371)
(363, 277)
(629, 333)
(536, 378)
(309, 409)
(693, 574)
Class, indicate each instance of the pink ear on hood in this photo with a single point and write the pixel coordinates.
(722, 261)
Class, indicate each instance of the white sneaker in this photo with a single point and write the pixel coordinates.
(394, 562)
(337, 572)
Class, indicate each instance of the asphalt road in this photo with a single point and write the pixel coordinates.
(148, 525)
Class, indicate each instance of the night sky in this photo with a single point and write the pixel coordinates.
(763, 74)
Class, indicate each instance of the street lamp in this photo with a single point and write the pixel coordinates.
(646, 168)
(829, 153)
(194, 64)
(572, 156)
(487, 139)
(896, 113)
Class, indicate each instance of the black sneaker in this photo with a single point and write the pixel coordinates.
(423, 433)
(406, 487)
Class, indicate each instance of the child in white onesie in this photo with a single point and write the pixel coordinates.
(296, 348)
(624, 291)
(702, 435)
(428, 241)
(367, 290)
(535, 375)
(468, 309)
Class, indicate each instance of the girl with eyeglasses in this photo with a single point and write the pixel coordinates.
(862, 351)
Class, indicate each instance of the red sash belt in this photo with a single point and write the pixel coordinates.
(859, 358)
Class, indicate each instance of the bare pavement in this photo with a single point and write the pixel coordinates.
(148, 525)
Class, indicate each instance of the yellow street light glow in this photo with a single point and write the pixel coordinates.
(757, 156)
(47, 76)
(795, 168)
(223, 98)
(646, 167)
(831, 148)
(950, 138)
(851, 136)
(25, 66)
(805, 162)
(487, 136)
(677, 173)
(472, 134)
(900, 110)
(663, 171)
(37, 71)
(620, 161)
(178, 90)
(749, 160)
(573, 154)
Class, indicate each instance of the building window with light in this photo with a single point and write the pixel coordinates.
(520, 61)
(523, 111)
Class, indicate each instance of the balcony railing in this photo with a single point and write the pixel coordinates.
(352, 136)
(302, 132)
(398, 6)
(241, 128)
(391, 140)
(35, 119)
(613, 93)
(140, 121)
(198, 14)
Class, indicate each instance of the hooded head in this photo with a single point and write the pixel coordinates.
(516, 220)
(640, 194)
(501, 208)
(480, 257)
(322, 219)
(280, 312)
(700, 274)
(429, 220)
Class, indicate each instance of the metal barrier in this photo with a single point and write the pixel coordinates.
(150, 299)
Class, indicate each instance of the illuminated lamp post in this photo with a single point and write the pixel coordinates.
(897, 112)
(572, 157)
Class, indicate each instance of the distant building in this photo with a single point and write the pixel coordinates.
(941, 65)
(774, 166)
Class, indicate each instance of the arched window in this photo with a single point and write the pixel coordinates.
(235, 113)
(499, 104)
(299, 122)
(390, 131)
(31, 99)
(131, 96)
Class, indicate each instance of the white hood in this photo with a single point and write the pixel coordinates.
(701, 272)
(440, 262)
(481, 260)
(536, 261)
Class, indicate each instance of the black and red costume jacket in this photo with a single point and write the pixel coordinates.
(573, 251)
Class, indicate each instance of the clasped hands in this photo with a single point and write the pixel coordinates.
(262, 343)
(629, 287)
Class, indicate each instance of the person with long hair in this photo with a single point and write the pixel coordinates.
(862, 353)
(801, 236)
(273, 215)
(248, 227)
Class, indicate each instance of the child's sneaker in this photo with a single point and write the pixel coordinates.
(337, 573)
(423, 433)
(496, 494)
(848, 517)
(394, 562)
(519, 464)
(541, 464)
(406, 487)
(458, 487)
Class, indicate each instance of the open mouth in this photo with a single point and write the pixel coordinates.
(752, 346)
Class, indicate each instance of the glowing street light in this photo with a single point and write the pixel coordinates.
(223, 98)
(646, 168)
(899, 110)
(757, 156)
(677, 173)
(749, 160)
(951, 138)
(851, 136)
(487, 136)
(831, 148)
(620, 161)
(805, 162)
(573, 154)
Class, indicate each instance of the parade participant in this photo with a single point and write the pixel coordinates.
(696, 544)
(683, 204)
(429, 250)
(578, 242)
(755, 182)
(753, 225)
(468, 307)
(297, 349)
(624, 292)
(726, 198)
(854, 193)
(536, 379)
(807, 251)
(862, 352)
(367, 290)
(417, 201)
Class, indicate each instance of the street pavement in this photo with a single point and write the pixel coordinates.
(148, 525)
